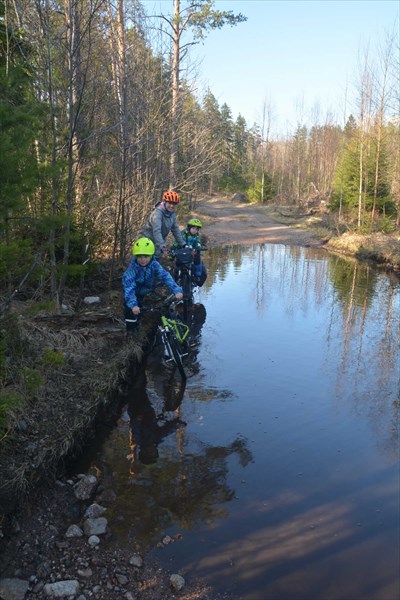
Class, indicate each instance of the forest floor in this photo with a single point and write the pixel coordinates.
(34, 550)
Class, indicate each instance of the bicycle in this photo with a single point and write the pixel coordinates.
(172, 331)
(184, 275)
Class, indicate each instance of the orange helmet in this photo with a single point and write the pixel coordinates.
(171, 196)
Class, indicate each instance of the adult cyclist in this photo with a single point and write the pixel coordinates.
(162, 221)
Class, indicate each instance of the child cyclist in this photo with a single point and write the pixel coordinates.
(191, 237)
(143, 275)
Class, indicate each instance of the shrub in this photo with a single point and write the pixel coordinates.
(10, 400)
(31, 381)
(52, 358)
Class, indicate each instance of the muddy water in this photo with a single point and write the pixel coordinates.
(275, 471)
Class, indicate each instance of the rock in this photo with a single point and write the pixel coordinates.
(59, 589)
(92, 300)
(167, 540)
(85, 572)
(73, 531)
(85, 487)
(95, 526)
(13, 589)
(239, 197)
(94, 510)
(136, 561)
(122, 579)
(177, 582)
(94, 540)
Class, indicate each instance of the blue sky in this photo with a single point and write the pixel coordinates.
(290, 53)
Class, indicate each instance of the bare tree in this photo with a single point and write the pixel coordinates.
(200, 16)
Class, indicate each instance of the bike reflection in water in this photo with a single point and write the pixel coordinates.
(196, 319)
(147, 428)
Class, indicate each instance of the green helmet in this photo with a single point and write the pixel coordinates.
(143, 246)
(195, 223)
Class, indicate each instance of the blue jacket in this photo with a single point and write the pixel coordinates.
(159, 224)
(138, 280)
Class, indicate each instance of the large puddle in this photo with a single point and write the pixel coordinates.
(275, 471)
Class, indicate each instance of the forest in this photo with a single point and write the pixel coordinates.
(99, 116)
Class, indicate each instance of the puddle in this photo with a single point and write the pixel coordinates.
(274, 470)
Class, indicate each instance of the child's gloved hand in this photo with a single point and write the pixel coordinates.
(135, 310)
(179, 296)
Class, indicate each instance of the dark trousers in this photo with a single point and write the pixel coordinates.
(200, 274)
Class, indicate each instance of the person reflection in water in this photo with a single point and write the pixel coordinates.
(147, 429)
(196, 321)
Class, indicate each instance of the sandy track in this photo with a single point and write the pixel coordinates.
(227, 222)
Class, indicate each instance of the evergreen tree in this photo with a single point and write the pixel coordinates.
(19, 172)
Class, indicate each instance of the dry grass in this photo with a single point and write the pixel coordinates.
(383, 249)
(59, 419)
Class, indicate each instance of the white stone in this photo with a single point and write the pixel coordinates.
(59, 589)
(85, 487)
(95, 526)
(177, 582)
(13, 589)
(94, 540)
(94, 510)
(92, 300)
(73, 531)
(136, 561)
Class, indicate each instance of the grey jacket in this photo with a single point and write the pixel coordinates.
(158, 225)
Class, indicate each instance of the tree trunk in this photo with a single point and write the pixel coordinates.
(175, 96)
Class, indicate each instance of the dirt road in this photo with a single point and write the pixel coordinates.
(227, 222)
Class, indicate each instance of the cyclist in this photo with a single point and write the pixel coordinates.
(191, 237)
(162, 221)
(142, 276)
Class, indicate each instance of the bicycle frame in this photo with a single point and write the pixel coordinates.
(173, 333)
(176, 327)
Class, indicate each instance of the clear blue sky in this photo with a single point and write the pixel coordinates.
(290, 53)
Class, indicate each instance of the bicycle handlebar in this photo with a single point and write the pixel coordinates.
(171, 299)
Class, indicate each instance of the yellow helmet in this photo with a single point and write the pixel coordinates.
(143, 246)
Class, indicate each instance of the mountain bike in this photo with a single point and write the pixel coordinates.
(185, 275)
(172, 332)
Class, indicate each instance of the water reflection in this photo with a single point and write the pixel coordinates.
(277, 466)
(147, 428)
(356, 308)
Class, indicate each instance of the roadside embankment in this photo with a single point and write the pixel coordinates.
(61, 399)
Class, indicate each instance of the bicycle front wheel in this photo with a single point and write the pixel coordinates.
(173, 348)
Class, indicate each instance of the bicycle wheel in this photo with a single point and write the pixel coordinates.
(173, 349)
